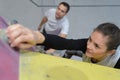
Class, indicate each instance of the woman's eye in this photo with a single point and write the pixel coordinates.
(97, 46)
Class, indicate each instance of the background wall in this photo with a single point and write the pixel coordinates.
(84, 15)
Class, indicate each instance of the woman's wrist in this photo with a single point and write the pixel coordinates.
(39, 37)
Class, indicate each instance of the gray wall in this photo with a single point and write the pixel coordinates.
(83, 16)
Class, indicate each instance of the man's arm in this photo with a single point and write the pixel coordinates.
(63, 35)
(44, 20)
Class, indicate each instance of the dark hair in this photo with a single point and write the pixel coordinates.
(113, 33)
(66, 5)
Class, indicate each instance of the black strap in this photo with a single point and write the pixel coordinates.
(117, 64)
(44, 31)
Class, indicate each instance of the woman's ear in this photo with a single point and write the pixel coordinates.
(111, 52)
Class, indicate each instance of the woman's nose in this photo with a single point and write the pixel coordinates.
(89, 45)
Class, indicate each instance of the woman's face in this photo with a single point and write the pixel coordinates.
(96, 46)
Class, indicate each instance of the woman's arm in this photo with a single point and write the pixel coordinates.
(60, 43)
(22, 37)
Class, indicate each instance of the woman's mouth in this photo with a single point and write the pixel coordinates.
(88, 53)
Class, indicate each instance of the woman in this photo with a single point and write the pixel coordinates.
(99, 48)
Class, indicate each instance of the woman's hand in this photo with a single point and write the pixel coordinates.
(22, 37)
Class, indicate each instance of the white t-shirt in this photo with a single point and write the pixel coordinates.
(54, 26)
